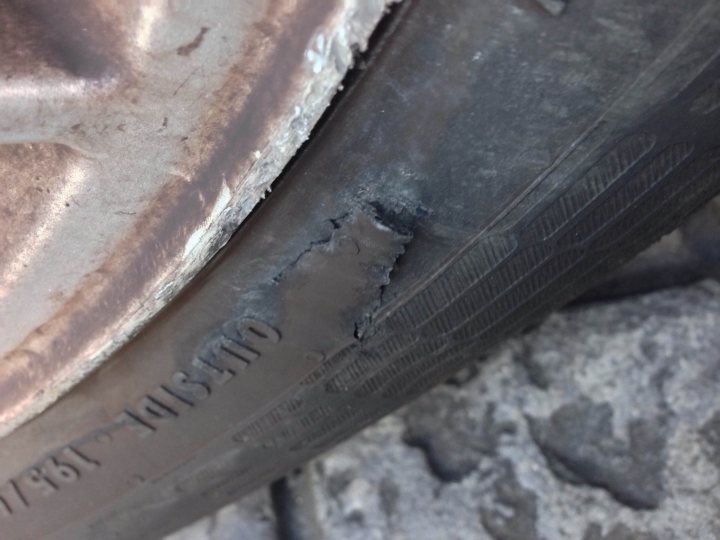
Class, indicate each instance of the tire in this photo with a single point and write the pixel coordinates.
(483, 167)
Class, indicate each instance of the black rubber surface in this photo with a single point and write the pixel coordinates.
(489, 163)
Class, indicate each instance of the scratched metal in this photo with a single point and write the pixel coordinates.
(135, 136)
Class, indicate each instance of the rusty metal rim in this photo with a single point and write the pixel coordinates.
(240, 145)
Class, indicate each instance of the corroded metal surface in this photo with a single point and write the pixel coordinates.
(134, 138)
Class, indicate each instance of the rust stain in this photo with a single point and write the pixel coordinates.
(30, 175)
(82, 38)
(186, 49)
(98, 309)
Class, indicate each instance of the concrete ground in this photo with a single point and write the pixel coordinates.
(601, 424)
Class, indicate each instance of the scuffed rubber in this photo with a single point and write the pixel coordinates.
(483, 168)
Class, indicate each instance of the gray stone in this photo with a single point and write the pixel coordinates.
(580, 447)
(711, 433)
(619, 532)
(251, 518)
(602, 424)
(453, 436)
(513, 514)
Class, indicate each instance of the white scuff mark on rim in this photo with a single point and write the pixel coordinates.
(354, 22)
(204, 232)
(351, 27)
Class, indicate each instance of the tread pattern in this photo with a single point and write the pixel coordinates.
(496, 288)
(709, 99)
(502, 283)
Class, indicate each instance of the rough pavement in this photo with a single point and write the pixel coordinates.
(602, 424)
(250, 519)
